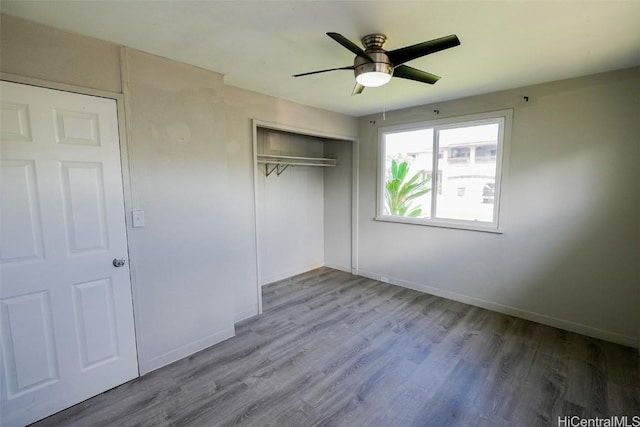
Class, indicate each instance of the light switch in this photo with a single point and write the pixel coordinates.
(138, 218)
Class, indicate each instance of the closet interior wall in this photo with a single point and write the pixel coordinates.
(303, 212)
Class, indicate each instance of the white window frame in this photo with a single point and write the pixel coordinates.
(504, 119)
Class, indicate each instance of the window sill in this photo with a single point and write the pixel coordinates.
(441, 224)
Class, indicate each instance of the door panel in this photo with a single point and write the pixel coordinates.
(28, 332)
(84, 207)
(73, 127)
(20, 226)
(15, 122)
(66, 311)
(95, 320)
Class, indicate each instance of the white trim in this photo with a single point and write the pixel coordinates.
(555, 322)
(255, 124)
(32, 81)
(301, 131)
(186, 350)
(247, 314)
(343, 268)
(435, 181)
(444, 122)
(442, 223)
(290, 273)
(355, 203)
(254, 138)
(504, 119)
(131, 198)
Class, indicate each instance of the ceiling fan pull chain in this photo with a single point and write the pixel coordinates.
(384, 103)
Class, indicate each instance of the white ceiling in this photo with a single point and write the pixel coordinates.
(258, 45)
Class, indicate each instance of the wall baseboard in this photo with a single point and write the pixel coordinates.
(511, 311)
(239, 317)
(157, 362)
(339, 267)
(290, 273)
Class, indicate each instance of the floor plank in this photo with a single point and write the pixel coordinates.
(333, 349)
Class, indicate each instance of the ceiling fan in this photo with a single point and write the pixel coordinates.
(375, 66)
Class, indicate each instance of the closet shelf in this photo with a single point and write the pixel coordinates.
(295, 161)
(280, 163)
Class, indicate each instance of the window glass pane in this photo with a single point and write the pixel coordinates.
(408, 171)
(486, 152)
(468, 176)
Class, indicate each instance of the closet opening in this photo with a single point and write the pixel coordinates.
(305, 187)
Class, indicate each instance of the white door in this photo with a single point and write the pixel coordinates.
(66, 312)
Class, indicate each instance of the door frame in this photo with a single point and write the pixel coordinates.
(355, 143)
(124, 167)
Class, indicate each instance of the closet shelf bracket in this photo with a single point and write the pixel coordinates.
(278, 168)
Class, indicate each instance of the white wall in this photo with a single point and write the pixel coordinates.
(290, 208)
(569, 254)
(38, 51)
(176, 150)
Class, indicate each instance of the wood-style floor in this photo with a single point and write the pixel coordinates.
(333, 349)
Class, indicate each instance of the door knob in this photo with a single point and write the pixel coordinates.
(118, 262)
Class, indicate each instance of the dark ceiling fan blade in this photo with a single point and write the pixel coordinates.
(349, 45)
(410, 73)
(406, 54)
(323, 71)
(357, 89)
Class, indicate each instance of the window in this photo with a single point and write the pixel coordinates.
(464, 192)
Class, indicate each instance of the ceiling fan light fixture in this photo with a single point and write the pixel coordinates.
(373, 74)
(373, 78)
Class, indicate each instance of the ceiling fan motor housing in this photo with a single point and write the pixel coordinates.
(373, 47)
(373, 41)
